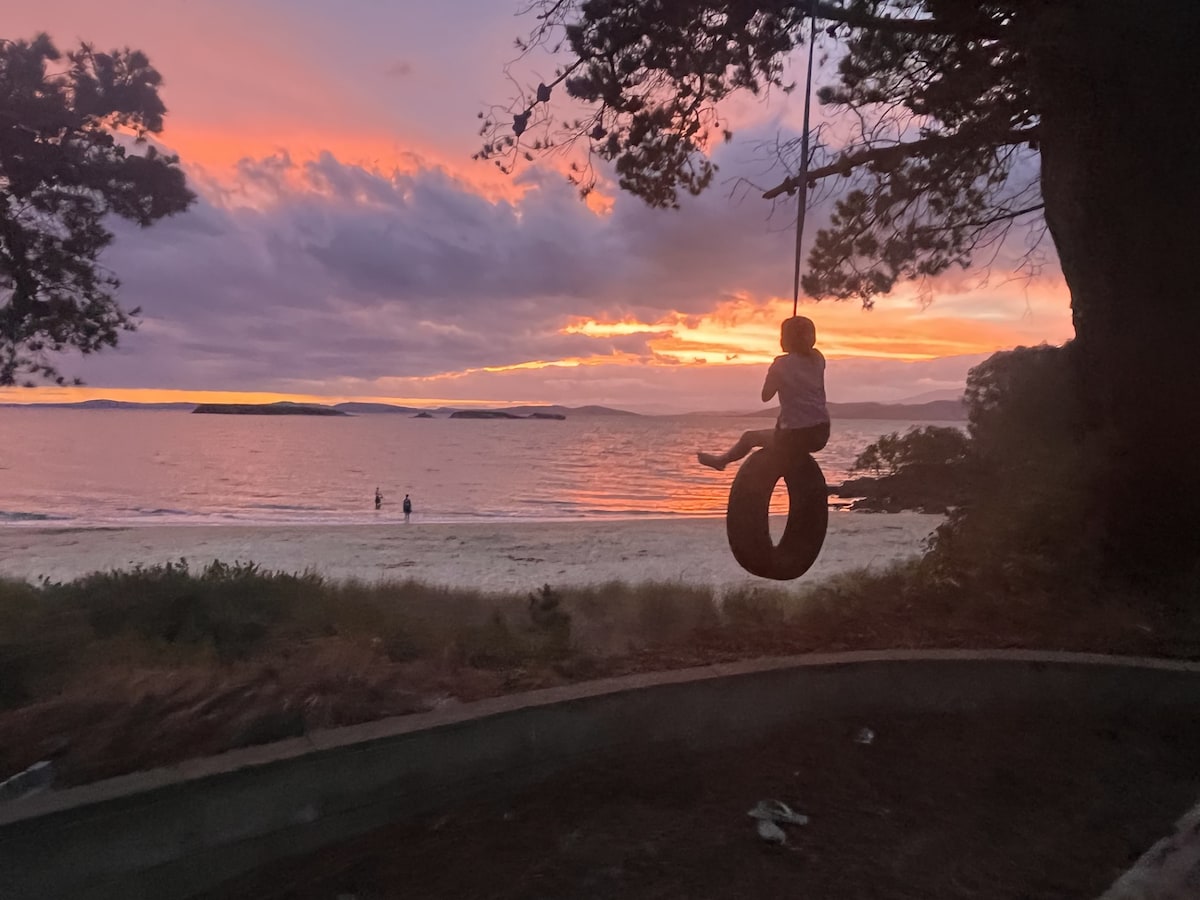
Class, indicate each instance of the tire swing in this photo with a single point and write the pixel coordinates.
(747, 521)
(747, 518)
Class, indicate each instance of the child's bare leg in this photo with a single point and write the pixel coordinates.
(747, 442)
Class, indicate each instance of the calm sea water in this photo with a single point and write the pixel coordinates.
(92, 468)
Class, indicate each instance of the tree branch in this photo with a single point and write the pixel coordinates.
(897, 153)
(826, 10)
(991, 220)
(552, 10)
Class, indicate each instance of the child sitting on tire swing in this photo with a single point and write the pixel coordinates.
(799, 378)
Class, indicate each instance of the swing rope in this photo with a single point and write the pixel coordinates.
(747, 518)
(802, 178)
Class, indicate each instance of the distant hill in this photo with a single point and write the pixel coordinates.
(350, 408)
(565, 410)
(503, 414)
(517, 411)
(599, 411)
(266, 409)
(370, 408)
(933, 411)
(102, 404)
(944, 394)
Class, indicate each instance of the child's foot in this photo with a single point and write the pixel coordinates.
(713, 462)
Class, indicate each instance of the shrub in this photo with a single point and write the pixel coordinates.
(752, 608)
(230, 607)
(931, 445)
(549, 623)
(492, 645)
(1025, 525)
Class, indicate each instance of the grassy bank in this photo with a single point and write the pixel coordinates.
(126, 669)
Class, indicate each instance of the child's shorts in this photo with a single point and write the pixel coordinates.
(802, 440)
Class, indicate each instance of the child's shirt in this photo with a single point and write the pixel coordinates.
(799, 379)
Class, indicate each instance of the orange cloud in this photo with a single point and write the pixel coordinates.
(740, 331)
(212, 155)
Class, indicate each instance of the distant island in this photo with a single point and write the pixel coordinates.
(501, 414)
(931, 411)
(514, 412)
(265, 409)
(100, 405)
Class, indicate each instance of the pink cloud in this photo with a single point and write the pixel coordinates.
(346, 244)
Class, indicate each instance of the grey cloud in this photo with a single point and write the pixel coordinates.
(343, 273)
(359, 276)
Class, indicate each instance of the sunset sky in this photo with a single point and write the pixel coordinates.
(346, 246)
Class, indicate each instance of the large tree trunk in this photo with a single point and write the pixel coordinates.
(1118, 89)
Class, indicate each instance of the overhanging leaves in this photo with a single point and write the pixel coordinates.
(64, 166)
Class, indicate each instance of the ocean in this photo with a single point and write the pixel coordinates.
(103, 468)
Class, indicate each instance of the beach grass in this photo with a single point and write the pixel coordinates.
(175, 616)
(137, 667)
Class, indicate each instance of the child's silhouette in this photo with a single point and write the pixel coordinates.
(798, 377)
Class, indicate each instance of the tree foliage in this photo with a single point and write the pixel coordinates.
(66, 163)
(931, 446)
(1028, 521)
(938, 92)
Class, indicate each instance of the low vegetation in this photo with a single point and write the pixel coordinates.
(124, 670)
(930, 445)
(928, 469)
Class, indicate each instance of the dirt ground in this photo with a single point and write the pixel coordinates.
(988, 805)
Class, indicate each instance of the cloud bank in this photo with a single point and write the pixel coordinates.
(328, 277)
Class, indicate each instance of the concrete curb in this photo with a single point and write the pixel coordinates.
(176, 831)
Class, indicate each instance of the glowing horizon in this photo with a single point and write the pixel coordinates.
(346, 247)
(82, 393)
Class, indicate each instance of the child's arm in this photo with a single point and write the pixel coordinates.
(770, 385)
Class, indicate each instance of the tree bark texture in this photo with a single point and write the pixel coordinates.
(1119, 89)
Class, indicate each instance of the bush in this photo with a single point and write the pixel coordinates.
(752, 608)
(1025, 525)
(492, 645)
(549, 624)
(229, 607)
(932, 445)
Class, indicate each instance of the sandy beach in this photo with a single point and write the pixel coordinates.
(504, 556)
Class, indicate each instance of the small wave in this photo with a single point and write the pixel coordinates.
(598, 513)
(154, 512)
(17, 516)
(284, 507)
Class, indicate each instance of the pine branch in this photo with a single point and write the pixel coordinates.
(895, 154)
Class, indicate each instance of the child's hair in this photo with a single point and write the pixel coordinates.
(798, 334)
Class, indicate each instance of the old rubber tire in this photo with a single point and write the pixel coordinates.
(747, 524)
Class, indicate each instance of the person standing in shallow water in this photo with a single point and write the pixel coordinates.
(407, 507)
(378, 499)
(798, 377)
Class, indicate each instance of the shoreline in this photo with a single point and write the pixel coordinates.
(50, 522)
(486, 556)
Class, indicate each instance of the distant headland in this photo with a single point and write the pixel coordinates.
(265, 409)
(501, 414)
